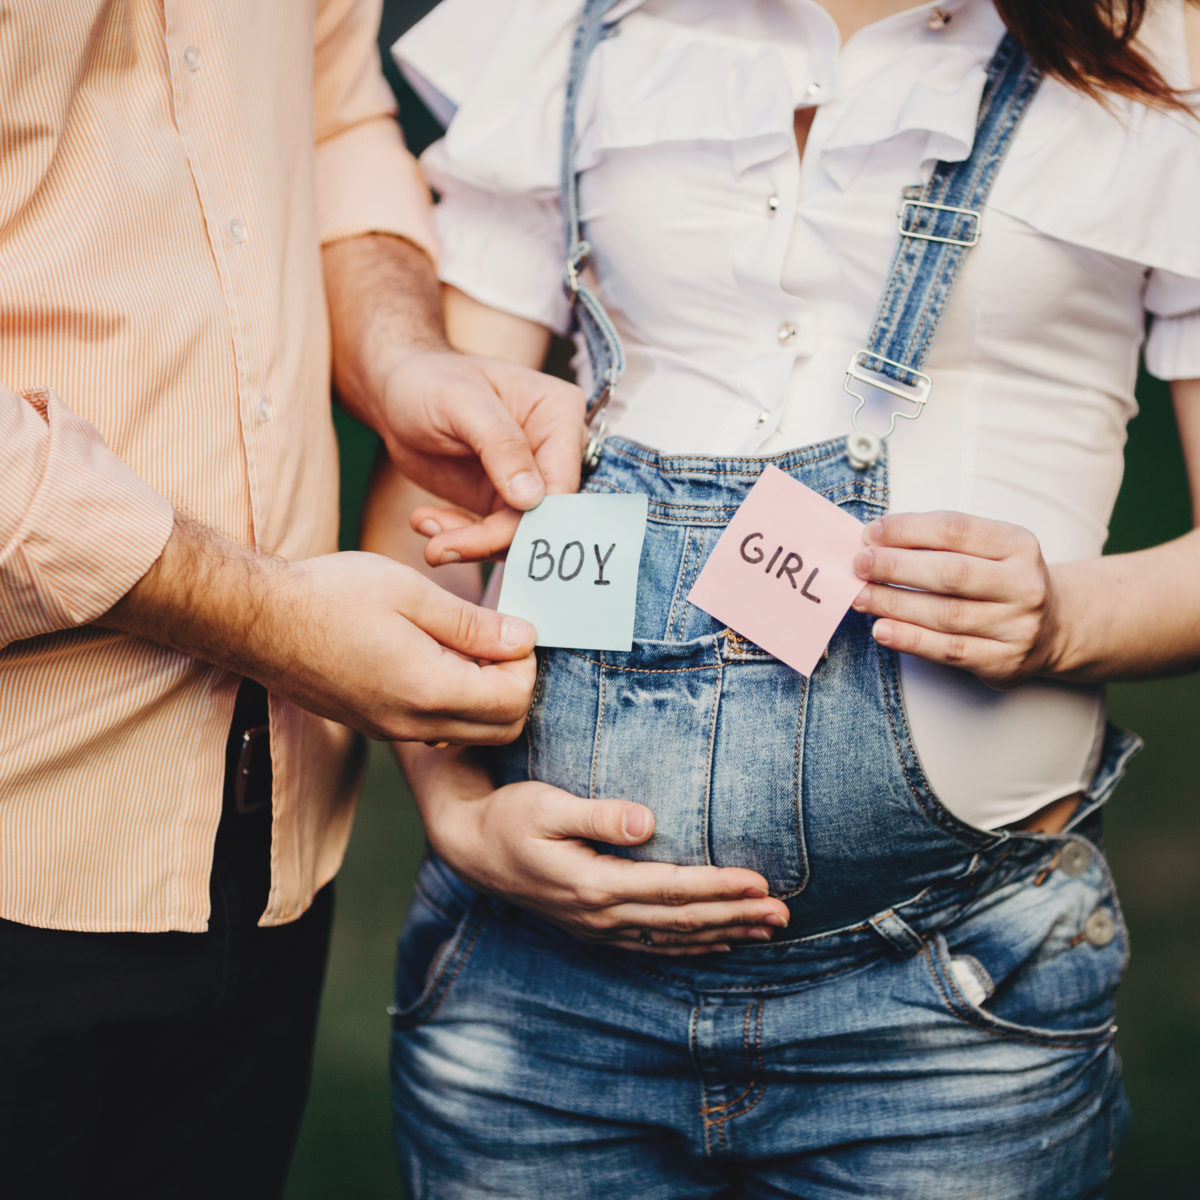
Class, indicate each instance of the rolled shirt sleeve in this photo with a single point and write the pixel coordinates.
(77, 527)
(366, 180)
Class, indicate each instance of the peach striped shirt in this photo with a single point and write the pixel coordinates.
(168, 172)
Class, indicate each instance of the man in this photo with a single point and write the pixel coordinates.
(197, 204)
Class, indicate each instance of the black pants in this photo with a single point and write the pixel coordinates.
(164, 1065)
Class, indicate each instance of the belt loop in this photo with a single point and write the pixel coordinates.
(897, 932)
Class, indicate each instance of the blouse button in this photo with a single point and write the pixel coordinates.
(785, 333)
(813, 89)
(938, 18)
(191, 58)
(262, 408)
(237, 230)
(761, 419)
(772, 204)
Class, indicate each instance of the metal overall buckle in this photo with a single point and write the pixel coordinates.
(595, 442)
(971, 239)
(862, 446)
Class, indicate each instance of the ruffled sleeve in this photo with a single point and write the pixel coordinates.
(1173, 344)
(1122, 179)
(494, 72)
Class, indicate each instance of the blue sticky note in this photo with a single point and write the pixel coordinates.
(572, 570)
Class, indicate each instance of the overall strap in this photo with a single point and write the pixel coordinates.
(605, 353)
(938, 225)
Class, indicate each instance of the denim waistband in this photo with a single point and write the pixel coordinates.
(700, 490)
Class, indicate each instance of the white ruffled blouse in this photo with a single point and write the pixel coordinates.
(742, 277)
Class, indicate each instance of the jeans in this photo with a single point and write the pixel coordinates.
(937, 1019)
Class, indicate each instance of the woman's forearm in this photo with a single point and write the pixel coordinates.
(1129, 616)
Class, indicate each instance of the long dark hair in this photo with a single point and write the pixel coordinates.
(1088, 44)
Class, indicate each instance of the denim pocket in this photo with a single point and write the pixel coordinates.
(435, 942)
(1039, 961)
(706, 732)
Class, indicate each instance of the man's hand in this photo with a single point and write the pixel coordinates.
(489, 436)
(353, 636)
(486, 435)
(532, 844)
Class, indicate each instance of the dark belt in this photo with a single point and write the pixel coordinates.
(248, 752)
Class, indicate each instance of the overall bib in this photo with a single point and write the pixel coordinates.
(936, 1020)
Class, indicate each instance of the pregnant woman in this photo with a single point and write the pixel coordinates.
(910, 256)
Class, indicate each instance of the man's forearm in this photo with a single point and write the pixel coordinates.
(384, 300)
(209, 597)
(350, 636)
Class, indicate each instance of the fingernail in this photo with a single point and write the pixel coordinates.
(759, 935)
(881, 631)
(635, 822)
(450, 556)
(429, 527)
(754, 893)
(514, 632)
(721, 948)
(526, 488)
(777, 919)
(872, 532)
(860, 601)
(863, 563)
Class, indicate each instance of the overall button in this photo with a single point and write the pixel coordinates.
(786, 333)
(191, 58)
(1099, 928)
(237, 230)
(1074, 858)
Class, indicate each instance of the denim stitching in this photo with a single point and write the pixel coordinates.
(762, 1091)
(439, 987)
(644, 670)
(706, 809)
(658, 462)
(687, 550)
(537, 695)
(419, 889)
(964, 834)
(694, 1050)
(599, 729)
(750, 1065)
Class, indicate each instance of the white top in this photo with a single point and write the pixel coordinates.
(741, 278)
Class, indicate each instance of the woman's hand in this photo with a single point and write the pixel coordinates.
(961, 590)
(532, 844)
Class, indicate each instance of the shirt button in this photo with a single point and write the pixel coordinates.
(813, 89)
(191, 58)
(772, 204)
(938, 18)
(1074, 859)
(262, 406)
(1099, 928)
(762, 418)
(785, 333)
(237, 230)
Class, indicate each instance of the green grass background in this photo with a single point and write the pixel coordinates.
(1153, 836)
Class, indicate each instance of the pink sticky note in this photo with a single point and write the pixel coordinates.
(781, 574)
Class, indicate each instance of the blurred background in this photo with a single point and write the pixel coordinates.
(1152, 832)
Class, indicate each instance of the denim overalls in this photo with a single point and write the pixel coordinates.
(936, 1020)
